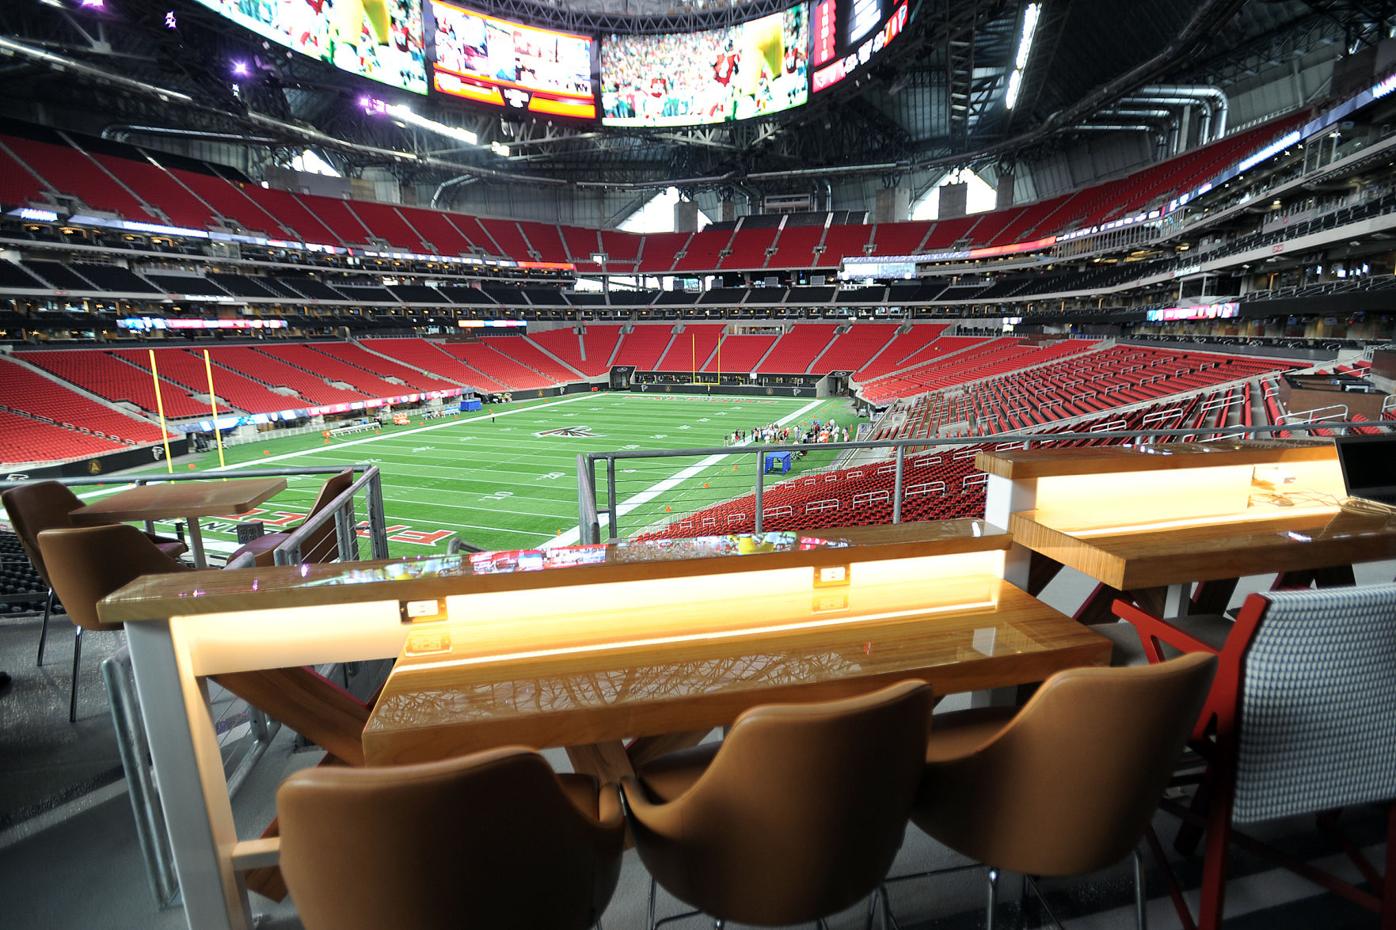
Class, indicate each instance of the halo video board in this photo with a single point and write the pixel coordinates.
(849, 34)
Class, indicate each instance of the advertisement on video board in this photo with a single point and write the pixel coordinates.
(507, 64)
(736, 72)
(377, 39)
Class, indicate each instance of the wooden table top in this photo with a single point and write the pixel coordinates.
(1049, 463)
(181, 499)
(157, 597)
(447, 697)
(1130, 559)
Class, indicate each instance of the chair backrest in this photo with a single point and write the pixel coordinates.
(37, 506)
(87, 563)
(321, 545)
(1317, 725)
(802, 810)
(1070, 783)
(490, 841)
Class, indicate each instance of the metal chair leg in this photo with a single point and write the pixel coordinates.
(43, 627)
(992, 898)
(1141, 918)
(73, 690)
(653, 890)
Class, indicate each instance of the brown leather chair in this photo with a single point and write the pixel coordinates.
(795, 816)
(494, 840)
(1068, 784)
(85, 565)
(46, 505)
(320, 545)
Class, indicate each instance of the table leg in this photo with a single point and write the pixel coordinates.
(1213, 597)
(1041, 571)
(607, 762)
(193, 788)
(648, 748)
(1175, 600)
(196, 543)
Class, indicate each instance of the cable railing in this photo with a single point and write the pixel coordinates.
(628, 493)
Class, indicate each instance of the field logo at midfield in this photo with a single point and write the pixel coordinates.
(571, 432)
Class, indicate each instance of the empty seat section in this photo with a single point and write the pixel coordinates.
(600, 340)
(522, 350)
(546, 241)
(186, 368)
(157, 187)
(740, 353)
(507, 237)
(945, 233)
(419, 353)
(643, 346)
(294, 215)
(232, 203)
(621, 248)
(851, 350)
(383, 221)
(691, 348)
(748, 248)
(798, 348)
(899, 238)
(332, 369)
(795, 247)
(29, 392)
(25, 440)
(702, 251)
(336, 214)
(842, 241)
(900, 347)
(582, 244)
(357, 356)
(71, 172)
(108, 376)
(436, 227)
(566, 344)
(661, 251)
(493, 364)
(18, 185)
(273, 372)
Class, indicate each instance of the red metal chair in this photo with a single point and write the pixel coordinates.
(1299, 721)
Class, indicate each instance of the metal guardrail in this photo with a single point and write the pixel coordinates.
(590, 508)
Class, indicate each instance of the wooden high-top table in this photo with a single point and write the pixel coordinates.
(578, 647)
(186, 500)
(1149, 522)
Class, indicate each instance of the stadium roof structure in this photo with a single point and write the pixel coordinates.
(935, 98)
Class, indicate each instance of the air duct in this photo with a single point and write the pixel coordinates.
(1213, 97)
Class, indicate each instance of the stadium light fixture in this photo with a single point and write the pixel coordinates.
(240, 68)
(404, 115)
(1031, 14)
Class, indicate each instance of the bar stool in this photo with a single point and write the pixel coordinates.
(492, 840)
(795, 816)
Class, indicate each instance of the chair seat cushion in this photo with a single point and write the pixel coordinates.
(962, 732)
(1212, 629)
(261, 548)
(172, 547)
(672, 774)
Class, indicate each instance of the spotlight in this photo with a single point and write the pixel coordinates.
(93, 4)
(240, 69)
(170, 21)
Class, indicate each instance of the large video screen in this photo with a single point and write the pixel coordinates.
(503, 63)
(377, 39)
(751, 69)
(848, 34)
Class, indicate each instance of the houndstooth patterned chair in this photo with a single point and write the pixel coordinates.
(1317, 727)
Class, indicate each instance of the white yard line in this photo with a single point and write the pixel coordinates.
(573, 536)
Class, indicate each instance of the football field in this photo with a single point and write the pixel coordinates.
(506, 477)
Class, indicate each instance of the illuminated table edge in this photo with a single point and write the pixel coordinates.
(99, 511)
(1030, 464)
(159, 597)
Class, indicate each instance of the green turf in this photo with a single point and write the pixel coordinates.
(498, 484)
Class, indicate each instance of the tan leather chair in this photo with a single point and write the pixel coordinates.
(47, 505)
(1068, 784)
(320, 545)
(797, 815)
(494, 841)
(85, 565)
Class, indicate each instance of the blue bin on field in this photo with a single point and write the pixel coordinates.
(780, 462)
(466, 406)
